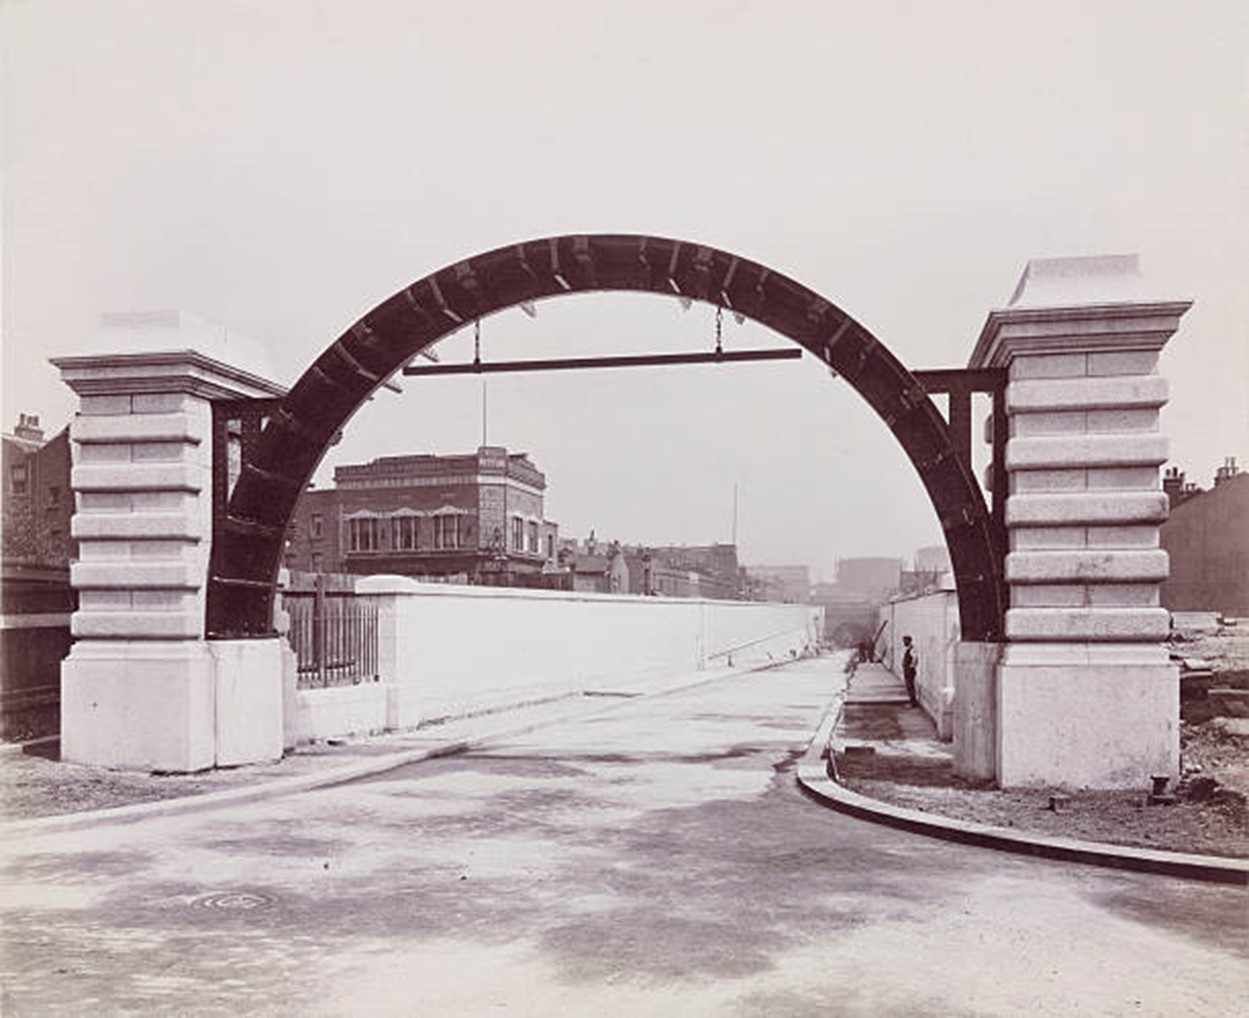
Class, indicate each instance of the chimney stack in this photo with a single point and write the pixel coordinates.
(28, 428)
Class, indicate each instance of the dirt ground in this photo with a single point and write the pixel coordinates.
(1209, 814)
(1208, 817)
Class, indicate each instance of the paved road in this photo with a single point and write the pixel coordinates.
(655, 860)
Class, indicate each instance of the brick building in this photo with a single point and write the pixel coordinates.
(1207, 539)
(38, 505)
(35, 596)
(476, 517)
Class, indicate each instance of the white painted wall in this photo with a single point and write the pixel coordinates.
(931, 620)
(446, 650)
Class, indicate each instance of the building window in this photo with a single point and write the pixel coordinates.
(534, 545)
(518, 534)
(17, 478)
(362, 534)
(318, 524)
(317, 561)
(405, 533)
(446, 531)
(54, 495)
(550, 546)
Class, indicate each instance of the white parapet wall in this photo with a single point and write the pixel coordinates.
(931, 620)
(448, 650)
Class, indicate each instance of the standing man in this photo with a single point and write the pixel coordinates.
(910, 662)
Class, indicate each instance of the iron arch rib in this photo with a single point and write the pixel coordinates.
(247, 548)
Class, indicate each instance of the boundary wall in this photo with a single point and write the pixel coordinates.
(931, 620)
(450, 650)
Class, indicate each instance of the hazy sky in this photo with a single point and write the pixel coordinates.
(281, 166)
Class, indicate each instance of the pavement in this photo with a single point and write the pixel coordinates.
(875, 726)
(870, 720)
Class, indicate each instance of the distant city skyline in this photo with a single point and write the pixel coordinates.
(281, 168)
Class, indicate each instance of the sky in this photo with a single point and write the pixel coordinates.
(283, 166)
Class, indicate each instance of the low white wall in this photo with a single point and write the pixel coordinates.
(340, 710)
(931, 620)
(446, 650)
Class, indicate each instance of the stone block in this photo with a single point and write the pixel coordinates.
(1121, 421)
(1123, 362)
(1037, 453)
(1108, 508)
(1087, 566)
(1090, 595)
(1123, 595)
(1052, 365)
(103, 405)
(143, 705)
(1087, 624)
(1050, 422)
(104, 551)
(1071, 479)
(1093, 723)
(142, 550)
(1122, 537)
(1086, 393)
(1048, 595)
(155, 526)
(160, 452)
(112, 574)
(137, 625)
(249, 701)
(1123, 478)
(141, 477)
(1024, 538)
(103, 452)
(163, 402)
(103, 600)
(140, 427)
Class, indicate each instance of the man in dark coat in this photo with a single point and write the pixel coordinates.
(910, 664)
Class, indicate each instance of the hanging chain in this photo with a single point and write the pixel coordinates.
(719, 328)
(477, 341)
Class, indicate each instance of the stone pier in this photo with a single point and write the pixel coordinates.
(142, 689)
(1086, 694)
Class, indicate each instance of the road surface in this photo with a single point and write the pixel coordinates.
(656, 859)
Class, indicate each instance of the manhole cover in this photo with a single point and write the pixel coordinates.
(233, 900)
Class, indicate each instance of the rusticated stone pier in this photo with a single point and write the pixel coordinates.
(1086, 695)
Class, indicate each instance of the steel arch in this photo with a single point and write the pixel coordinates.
(281, 456)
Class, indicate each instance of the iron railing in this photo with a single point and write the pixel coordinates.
(334, 636)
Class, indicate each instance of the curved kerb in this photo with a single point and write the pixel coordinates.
(248, 553)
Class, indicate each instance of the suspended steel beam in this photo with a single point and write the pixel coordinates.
(633, 361)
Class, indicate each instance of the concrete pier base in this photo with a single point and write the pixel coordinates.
(975, 710)
(139, 705)
(1099, 716)
(249, 699)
